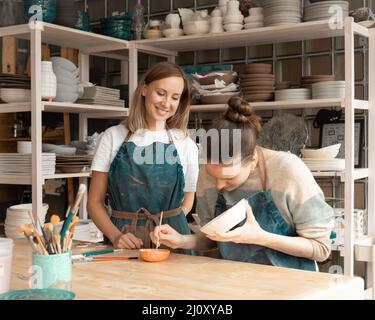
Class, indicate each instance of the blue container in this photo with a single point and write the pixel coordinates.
(53, 271)
(48, 8)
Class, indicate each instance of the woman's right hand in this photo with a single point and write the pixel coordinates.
(127, 241)
(167, 236)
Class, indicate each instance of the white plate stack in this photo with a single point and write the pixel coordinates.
(67, 77)
(18, 164)
(293, 94)
(325, 10)
(17, 215)
(324, 164)
(328, 90)
(255, 19)
(281, 12)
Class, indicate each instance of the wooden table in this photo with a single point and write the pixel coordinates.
(187, 277)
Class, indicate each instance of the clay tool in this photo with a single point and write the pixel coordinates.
(81, 191)
(96, 253)
(111, 258)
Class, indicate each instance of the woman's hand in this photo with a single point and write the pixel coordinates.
(127, 241)
(167, 236)
(250, 232)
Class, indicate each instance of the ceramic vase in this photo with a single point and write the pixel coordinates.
(48, 81)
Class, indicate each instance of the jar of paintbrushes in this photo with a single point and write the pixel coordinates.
(52, 248)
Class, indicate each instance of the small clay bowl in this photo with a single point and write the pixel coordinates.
(153, 255)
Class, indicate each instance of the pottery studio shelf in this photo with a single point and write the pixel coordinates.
(27, 180)
(283, 105)
(252, 37)
(88, 109)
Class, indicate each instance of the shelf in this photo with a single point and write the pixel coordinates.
(26, 180)
(251, 37)
(66, 107)
(358, 174)
(68, 37)
(275, 105)
(29, 139)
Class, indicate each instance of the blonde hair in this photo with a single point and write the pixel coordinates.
(137, 114)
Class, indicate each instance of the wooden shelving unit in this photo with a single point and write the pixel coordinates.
(87, 44)
(298, 32)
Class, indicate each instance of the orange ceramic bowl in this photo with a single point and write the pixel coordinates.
(153, 255)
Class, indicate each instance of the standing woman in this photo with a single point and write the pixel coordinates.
(288, 222)
(148, 164)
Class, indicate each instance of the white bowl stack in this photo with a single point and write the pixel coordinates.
(325, 10)
(67, 76)
(328, 90)
(233, 19)
(24, 147)
(17, 215)
(14, 95)
(255, 18)
(293, 94)
(281, 12)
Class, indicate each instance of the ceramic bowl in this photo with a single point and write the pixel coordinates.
(173, 33)
(63, 63)
(233, 19)
(152, 34)
(196, 27)
(154, 255)
(227, 77)
(218, 98)
(329, 152)
(252, 19)
(227, 220)
(232, 27)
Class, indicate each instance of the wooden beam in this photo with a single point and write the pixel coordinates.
(9, 59)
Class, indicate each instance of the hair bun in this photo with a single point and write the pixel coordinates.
(240, 111)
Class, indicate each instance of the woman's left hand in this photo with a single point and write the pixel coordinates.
(250, 232)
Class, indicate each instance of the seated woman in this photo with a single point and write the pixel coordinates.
(288, 221)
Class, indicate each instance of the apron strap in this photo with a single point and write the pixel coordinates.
(262, 169)
(128, 136)
(152, 220)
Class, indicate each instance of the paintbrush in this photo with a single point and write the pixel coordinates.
(81, 191)
(22, 229)
(160, 221)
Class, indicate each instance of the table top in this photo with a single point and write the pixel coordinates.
(191, 278)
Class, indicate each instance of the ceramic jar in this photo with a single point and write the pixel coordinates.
(233, 8)
(173, 20)
(48, 81)
(216, 25)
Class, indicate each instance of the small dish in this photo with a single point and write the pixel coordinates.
(154, 255)
(227, 220)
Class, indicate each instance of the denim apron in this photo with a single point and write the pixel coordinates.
(270, 219)
(139, 192)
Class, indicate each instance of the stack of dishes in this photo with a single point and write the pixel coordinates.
(14, 88)
(18, 164)
(101, 96)
(255, 19)
(307, 81)
(293, 94)
(257, 83)
(324, 164)
(73, 164)
(328, 90)
(281, 12)
(19, 214)
(67, 78)
(321, 10)
(118, 26)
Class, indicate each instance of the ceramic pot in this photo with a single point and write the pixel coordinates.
(233, 8)
(216, 25)
(173, 19)
(48, 81)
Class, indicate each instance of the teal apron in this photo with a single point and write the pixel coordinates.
(271, 220)
(139, 192)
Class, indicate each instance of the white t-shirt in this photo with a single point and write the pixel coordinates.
(112, 139)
